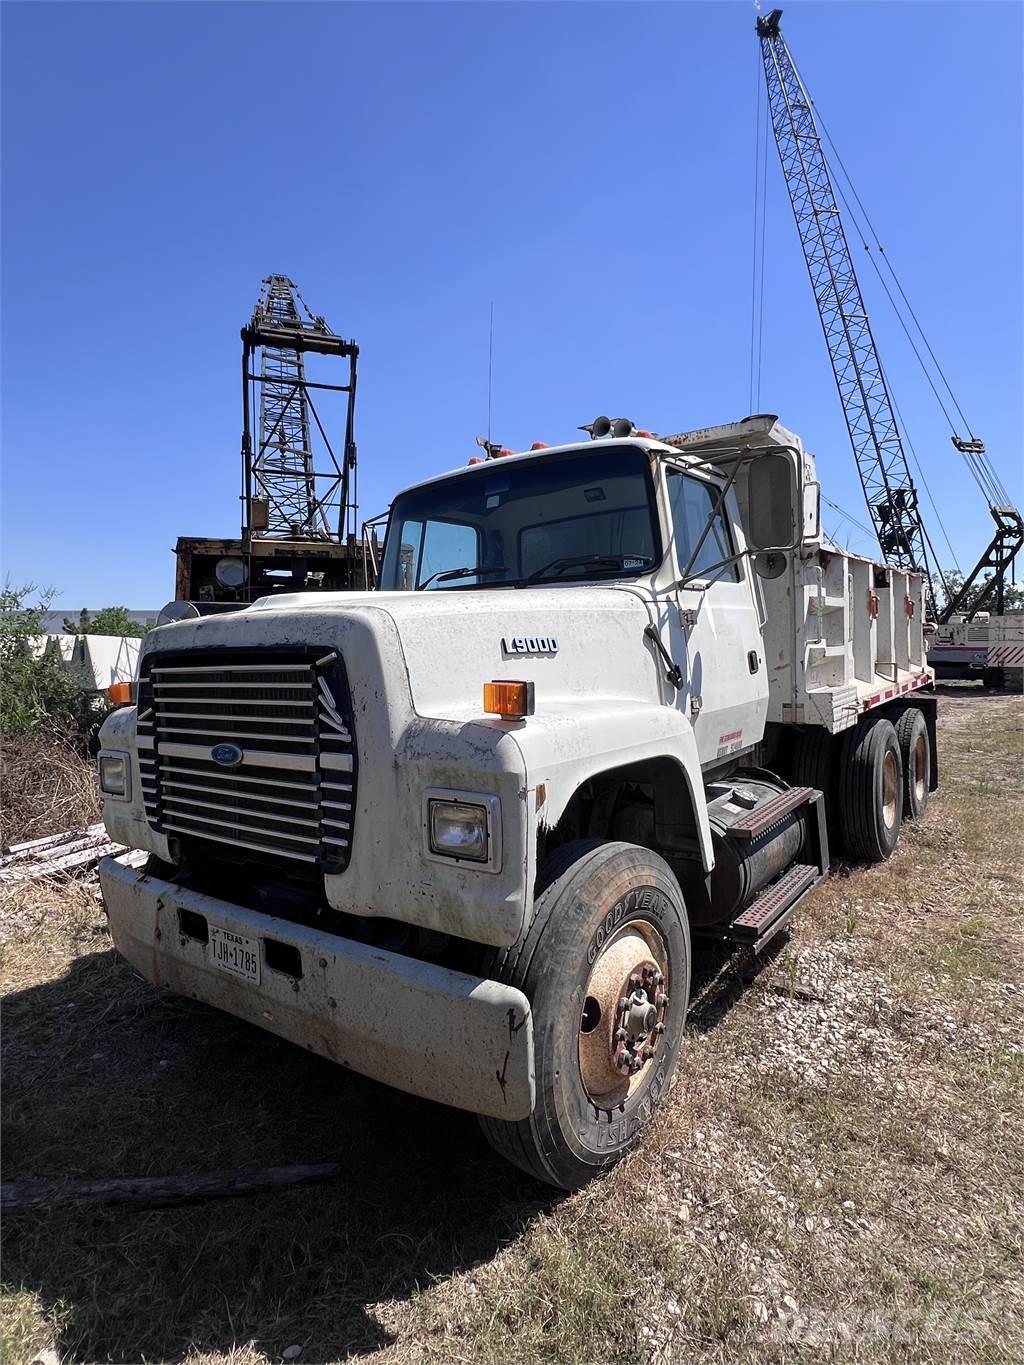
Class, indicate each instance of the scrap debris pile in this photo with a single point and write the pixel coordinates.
(74, 851)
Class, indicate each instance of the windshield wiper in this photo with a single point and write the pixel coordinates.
(467, 571)
(558, 565)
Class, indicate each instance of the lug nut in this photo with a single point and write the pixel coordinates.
(634, 980)
(659, 1028)
(621, 1035)
(661, 1001)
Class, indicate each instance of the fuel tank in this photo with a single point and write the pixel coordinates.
(743, 867)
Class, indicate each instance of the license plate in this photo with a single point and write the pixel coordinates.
(235, 954)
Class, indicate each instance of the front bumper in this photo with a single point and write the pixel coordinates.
(458, 1039)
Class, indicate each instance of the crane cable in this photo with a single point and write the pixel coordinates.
(757, 258)
(892, 396)
(982, 472)
(981, 467)
(846, 516)
(757, 307)
(924, 482)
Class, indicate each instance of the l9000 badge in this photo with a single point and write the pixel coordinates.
(529, 644)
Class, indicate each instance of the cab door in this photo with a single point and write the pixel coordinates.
(713, 627)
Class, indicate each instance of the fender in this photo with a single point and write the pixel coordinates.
(563, 748)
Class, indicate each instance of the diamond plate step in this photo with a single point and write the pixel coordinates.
(753, 825)
(768, 911)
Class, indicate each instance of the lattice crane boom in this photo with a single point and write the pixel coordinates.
(870, 413)
(885, 476)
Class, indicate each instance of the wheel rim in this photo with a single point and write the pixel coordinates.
(890, 788)
(920, 768)
(625, 1009)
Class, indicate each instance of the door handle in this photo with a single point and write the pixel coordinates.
(753, 662)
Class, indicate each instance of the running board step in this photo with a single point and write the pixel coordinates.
(767, 915)
(770, 913)
(752, 826)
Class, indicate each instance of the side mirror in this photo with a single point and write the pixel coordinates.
(775, 502)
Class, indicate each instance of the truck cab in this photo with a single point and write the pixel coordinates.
(459, 833)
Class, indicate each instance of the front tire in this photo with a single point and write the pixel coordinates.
(608, 922)
(871, 789)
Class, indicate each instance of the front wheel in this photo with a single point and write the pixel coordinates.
(605, 965)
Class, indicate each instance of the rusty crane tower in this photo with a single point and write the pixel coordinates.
(294, 510)
(299, 497)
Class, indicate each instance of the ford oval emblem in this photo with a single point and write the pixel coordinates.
(227, 755)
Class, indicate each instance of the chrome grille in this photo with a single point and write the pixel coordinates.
(291, 797)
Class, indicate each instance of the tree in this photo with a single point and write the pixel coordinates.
(109, 621)
(38, 693)
(1013, 594)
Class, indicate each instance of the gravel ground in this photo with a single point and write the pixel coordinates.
(836, 1174)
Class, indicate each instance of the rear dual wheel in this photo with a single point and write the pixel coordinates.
(605, 965)
(871, 789)
(916, 753)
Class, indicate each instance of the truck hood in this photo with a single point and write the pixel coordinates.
(573, 643)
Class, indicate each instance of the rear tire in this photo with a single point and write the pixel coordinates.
(916, 752)
(871, 789)
(605, 911)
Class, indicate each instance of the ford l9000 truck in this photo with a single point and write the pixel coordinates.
(459, 834)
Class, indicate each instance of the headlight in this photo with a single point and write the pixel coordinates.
(115, 775)
(458, 830)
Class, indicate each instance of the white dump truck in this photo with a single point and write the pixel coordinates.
(458, 834)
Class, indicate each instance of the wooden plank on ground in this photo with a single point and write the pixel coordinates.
(152, 1191)
(32, 847)
(78, 859)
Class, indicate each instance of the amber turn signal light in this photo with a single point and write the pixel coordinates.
(120, 693)
(512, 700)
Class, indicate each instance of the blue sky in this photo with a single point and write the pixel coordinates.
(587, 167)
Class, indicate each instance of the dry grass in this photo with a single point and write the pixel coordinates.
(831, 1179)
(48, 786)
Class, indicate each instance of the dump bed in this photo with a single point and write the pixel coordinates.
(842, 633)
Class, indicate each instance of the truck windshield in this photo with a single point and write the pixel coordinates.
(560, 518)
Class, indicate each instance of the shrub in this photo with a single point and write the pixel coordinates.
(39, 695)
(49, 786)
(109, 621)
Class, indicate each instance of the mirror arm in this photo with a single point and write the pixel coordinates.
(710, 521)
(714, 569)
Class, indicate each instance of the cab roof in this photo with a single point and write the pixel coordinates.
(761, 430)
(519, 457)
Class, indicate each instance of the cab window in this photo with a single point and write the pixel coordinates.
(691, 502)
